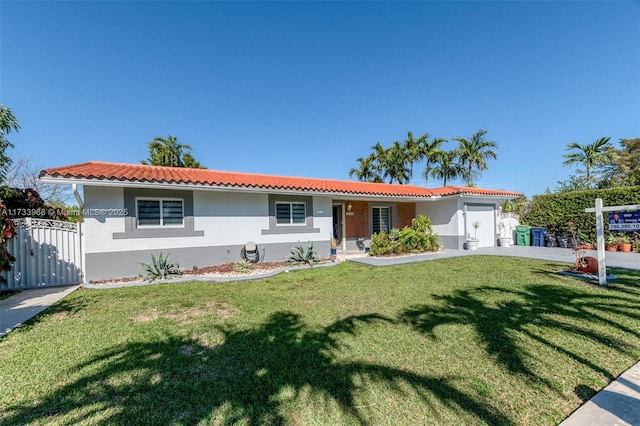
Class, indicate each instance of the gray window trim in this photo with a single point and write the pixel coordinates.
(392, 213)
(275, 229)
(130, 221)
(161, 200)
(290, 204)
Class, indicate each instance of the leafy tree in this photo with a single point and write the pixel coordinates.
(574, 183)
(625, 171)
(8, 123)
(474, 153)
(448, 166)
(170, 152)
(598, 153)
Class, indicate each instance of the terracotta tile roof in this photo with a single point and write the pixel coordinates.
(453, 190)
(117, 172)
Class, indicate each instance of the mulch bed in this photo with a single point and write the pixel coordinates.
(221, 270)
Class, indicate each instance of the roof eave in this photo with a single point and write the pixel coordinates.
(209, 187)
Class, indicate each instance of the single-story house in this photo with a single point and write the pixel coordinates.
(205, 217)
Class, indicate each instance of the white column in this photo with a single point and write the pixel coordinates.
(602, 268)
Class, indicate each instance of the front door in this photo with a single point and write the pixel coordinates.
(337, 223)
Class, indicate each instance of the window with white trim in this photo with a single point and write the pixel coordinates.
(381, 219)
(160, 212)
(291, 213)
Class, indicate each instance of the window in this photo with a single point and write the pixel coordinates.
(291, 213)
(381, 219)
(160, 212)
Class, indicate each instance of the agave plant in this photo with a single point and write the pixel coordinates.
(303, 254)
(243, 266)
(160, 268)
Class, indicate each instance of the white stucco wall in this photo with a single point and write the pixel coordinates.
(445, 217)
(98, 229)
(227, 218)
(453, 225)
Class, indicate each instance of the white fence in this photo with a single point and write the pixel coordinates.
(47, 252)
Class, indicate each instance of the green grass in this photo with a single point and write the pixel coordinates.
(7, 293)
(472, 340)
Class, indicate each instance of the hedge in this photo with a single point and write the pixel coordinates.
(555, 211)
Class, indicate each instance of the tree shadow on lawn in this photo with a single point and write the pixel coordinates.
(254, 376)
(528, 312)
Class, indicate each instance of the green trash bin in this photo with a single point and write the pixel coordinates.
(523, 234)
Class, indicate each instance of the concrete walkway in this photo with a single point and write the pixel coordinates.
(617, 404)
(17, 309)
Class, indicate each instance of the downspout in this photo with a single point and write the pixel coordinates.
(74, 188)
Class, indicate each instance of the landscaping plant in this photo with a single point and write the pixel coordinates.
(303, 254)
(417, 238)
(243, 266)
(160, 268)
(7, 231)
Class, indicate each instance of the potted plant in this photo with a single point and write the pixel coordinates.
(612, 242)
(505, 239)
(583, 263)
(624, 243)
(587, 264)
(583, 241)
(333, 245)
(472, 243)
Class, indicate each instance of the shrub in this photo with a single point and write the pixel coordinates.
(419, 237)
(303, 254)
(380, 244)
(7, 231)
(556, 211)
(412, 240)
(422, 224)
(160, 268)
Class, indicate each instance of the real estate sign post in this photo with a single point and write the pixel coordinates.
(626, 222)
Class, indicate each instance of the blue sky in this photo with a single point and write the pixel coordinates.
(304, 88)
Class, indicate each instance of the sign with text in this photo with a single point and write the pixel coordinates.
(624, 221)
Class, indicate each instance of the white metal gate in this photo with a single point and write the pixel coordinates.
(47, 252)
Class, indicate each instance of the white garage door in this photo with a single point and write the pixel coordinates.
(485, 214)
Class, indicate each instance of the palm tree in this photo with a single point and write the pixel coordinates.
(598, 153)
(367, 170)
(430, 152)
(8, 123)
(169, 152)
(474, 152)
(448, 167)
(397, 163)
(413, 149)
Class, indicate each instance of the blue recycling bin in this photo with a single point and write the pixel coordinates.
(537, 235)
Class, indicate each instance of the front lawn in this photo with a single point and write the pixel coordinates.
(471, 340)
